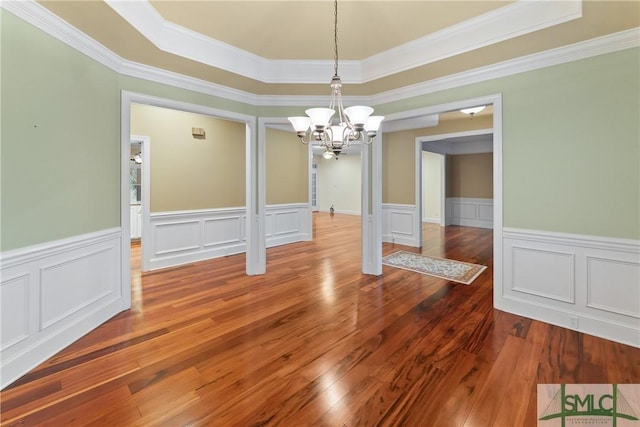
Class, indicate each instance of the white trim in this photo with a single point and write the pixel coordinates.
(502, 24)
(469, 212)
(278, 122)
(15, 257)
(256, 259)
(146, 198)
(401, 224)
(63, 289)
(609, 43)
(372, 217)
(418, 194)
(498, 249)
(587, 283)
(41, 18)
(180, 237)
(439, 137)
(431, 220)
(254, 249)
(516, 19)
(577, 240)
(443, 190)
(496, 101)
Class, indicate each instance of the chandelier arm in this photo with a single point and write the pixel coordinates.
(353, 121)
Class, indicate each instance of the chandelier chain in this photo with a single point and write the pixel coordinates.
(335, 37)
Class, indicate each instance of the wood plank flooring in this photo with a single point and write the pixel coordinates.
(314, 342)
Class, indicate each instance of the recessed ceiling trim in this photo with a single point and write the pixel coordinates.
(609, 43)
(43, 19)
(501, 24)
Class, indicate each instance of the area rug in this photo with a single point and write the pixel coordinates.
(455, 271)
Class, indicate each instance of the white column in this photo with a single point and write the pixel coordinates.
(372, 207)
(256, 262)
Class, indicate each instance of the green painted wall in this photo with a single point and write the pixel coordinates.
(60, 136)
(571, 144)
(571, 140)
(60, 139)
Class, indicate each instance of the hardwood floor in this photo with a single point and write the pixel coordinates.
(314, 342)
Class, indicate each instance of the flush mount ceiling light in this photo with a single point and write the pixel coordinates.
(473, 110)
(328, 154)
(321, 128)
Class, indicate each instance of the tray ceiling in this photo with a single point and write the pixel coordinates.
(286, 47)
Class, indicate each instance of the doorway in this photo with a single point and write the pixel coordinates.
(463, 163)
(139, 194)
(403, 120)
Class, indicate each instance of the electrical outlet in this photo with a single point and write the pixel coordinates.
(573, 322)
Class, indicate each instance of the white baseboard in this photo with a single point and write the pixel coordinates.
(341, 212)
(183, 237)
(579, 282)
(469, 212)
(287, 223)
(431, 220)
(53, 294)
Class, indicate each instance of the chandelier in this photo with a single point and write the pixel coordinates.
(350, 124)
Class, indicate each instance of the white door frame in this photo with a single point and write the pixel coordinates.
(496, 101)
(255, 221)
(145, 146)
(443, 178)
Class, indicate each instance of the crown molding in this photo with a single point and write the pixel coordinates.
(175, 39)
(43, 19)
(516, 19)
(602, 45)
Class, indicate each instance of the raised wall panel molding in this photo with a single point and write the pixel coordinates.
(470, 212)
(289, 224)
(588, 283)
(90, 272)
(54, 293)
(14, 294)
(399, 224)
(613, 285)
(182, 237)
(543, 273)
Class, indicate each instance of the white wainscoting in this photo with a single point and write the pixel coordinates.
(399, 224)
(54, 293)
(182, 237)
(469, 212)
(288, 223)
(587, 283)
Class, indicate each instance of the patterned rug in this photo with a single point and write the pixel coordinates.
(455, 271)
